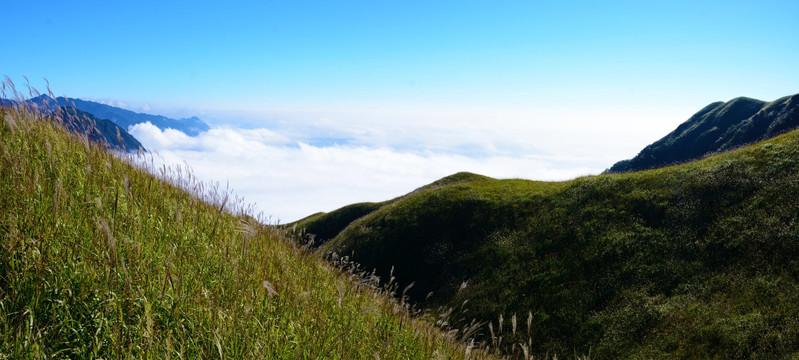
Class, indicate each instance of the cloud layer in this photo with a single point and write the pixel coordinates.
(297, 169)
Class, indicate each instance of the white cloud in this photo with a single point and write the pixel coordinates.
(289, 178)
(114, 103)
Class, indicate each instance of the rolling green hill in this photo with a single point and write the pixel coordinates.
(318, 228)
(718, 127)
(100, 259)
(699, 260)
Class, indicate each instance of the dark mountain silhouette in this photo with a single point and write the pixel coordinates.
(718, 127)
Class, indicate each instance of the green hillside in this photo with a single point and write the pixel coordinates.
(99, 259)
(693, 261)
(319, 228)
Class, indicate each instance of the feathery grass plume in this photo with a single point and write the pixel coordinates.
(110, 241)
(471, 330)
(513, 323)
(270, 289)
(405, 291)
(469, 348)
(50, 154)
(491, 329)
(57, 195)
(525, 351)
(500, 323)
(126, 185)
(529, 321)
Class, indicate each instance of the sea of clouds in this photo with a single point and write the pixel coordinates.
(291, 169)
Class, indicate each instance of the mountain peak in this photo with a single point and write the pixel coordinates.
(719, 126)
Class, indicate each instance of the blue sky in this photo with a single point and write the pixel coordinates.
(436, 54)
(575, 85)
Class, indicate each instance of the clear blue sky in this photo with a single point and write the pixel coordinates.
(384, 54)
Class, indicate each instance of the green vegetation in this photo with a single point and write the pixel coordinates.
(99, 259)
(718, 127)
(318, 228)
(699, 260)
(322, 227)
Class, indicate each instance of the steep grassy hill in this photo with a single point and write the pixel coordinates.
(99, 259)
(699, 260)
(718, 127)
(318, 228)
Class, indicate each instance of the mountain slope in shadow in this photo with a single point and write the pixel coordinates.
(718, 127)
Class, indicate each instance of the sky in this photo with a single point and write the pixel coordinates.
(315, 105)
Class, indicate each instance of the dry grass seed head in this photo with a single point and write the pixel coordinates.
(270, 289)
(513, 323)
(110, 241)
(529, 321)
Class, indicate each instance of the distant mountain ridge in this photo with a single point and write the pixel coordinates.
(718, 127)
(190, 126)
(78, 121)
(125, 118)
(101, 130)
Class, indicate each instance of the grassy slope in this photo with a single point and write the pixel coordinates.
(319, 228)
(100, 259)
(694, 261)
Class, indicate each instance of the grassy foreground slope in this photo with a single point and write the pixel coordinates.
(699, 260)
(99, 259)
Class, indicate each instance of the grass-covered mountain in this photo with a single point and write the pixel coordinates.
(318, 228)
(718, 127)
(100, 259)
(691, 261)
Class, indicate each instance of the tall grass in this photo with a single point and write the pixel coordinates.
(100, 259)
